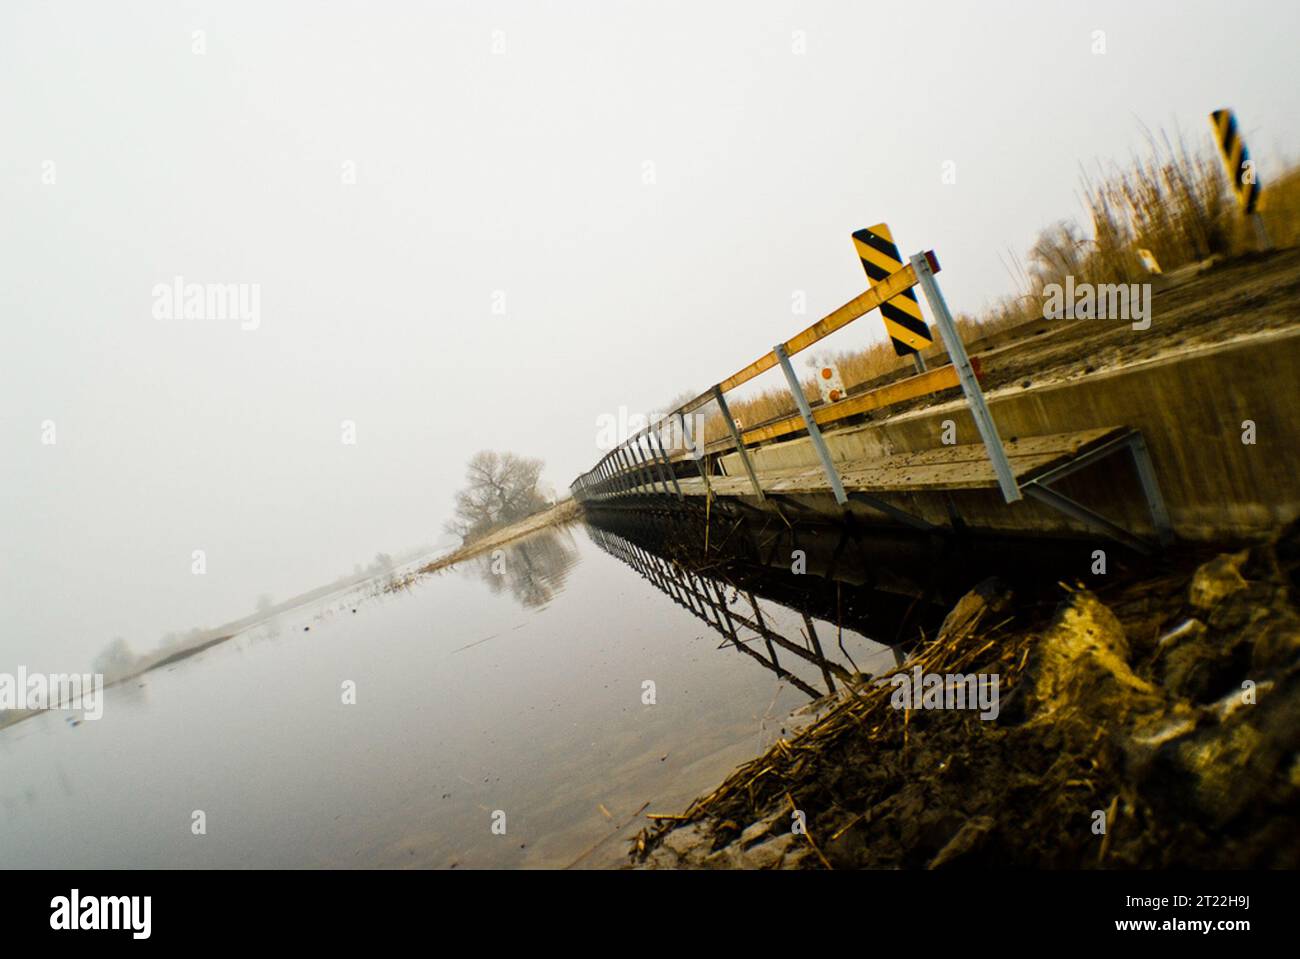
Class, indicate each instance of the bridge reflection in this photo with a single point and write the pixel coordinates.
(755, 613)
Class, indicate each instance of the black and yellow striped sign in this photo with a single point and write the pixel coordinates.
(902, 314)
(1241, 172)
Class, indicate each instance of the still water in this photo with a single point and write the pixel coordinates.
(510, 691)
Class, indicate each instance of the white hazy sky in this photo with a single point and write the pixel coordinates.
(478, 171)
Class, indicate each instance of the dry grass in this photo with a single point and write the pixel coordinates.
(1175, 202)
(862, 711)
(1280, 207)
(857, 368)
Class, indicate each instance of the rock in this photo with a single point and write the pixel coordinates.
(1218, 578)
(763, 827)
(927, 831)
(968, 839)
(1082, 663)
(690, 844)
(1190, 664)
(767, 855)
(989, 597)
(1234, 765)
(1277, 645)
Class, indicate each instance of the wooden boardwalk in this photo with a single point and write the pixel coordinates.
(944, 468)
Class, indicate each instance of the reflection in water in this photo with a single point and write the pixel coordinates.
(532, 569)
(545, 721)
(822, 582)
(706, 598)
(722, 595)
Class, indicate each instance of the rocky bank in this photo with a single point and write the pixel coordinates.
(1152, 725)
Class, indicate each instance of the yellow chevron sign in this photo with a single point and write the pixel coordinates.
(902, 314)
(1241, 171)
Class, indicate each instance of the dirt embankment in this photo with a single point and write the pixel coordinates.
(1153, 725)
(1251, 294)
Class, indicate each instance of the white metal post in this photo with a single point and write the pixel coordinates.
(970, 384)
(814, 433)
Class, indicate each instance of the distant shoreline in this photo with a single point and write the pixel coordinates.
(562, 512)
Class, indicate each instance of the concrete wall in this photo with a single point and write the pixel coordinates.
(1190, 408)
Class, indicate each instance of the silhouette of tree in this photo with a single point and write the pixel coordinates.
(500, 488)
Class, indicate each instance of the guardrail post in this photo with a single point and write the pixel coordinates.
(725, 410)
(814, 433)
(648, 450)
(701, 461)
(970, 384)
(616, 469)
(643, 473)
(633, 476)
(657, 447)
(629, 474)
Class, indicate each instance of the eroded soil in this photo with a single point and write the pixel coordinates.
(1149, 725)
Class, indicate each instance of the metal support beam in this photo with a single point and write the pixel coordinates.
(725, 410)
(1134, 442)
(814, 433)
(643, 472)
(1076, 510)
(786, 499)
(758, 618)
(970, 384)
(1151, 489)
(656, 445)
(893, 512)
(817, 651)
(648, 449)
(701, 461)
(1107, 449)
(625, 471)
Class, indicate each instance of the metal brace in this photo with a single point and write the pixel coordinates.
(1039, 489)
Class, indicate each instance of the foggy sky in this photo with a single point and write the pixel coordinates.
(495, 147)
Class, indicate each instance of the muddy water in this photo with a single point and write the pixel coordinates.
(516, 689)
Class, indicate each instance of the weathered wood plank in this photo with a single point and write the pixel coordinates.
(943, 468)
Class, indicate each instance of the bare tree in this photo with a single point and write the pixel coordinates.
(1058, 252)
(500, 488)
(681, 399)
(673, 432)
(115, 659)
